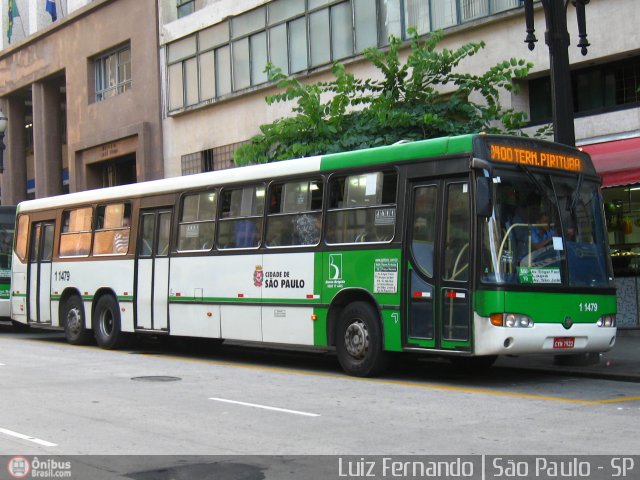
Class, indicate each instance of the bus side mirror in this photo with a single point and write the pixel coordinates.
(484, 207)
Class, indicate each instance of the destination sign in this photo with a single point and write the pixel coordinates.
(535, 157)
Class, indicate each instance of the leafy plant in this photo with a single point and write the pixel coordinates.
(424, 96)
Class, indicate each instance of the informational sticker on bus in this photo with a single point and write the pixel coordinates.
(385, 275)
(539, 275)
(385, 216)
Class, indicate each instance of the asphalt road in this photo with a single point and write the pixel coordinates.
(158, 399)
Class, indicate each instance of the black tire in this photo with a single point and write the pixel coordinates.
(474, 364)
(73, 321)
(359, 341)
(106, 324)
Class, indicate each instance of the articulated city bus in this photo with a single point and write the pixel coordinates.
(7, 224)
(469, 247)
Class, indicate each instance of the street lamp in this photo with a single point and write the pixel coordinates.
(3, 127)
(557, 39)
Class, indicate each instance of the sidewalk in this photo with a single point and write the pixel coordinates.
(622, 362)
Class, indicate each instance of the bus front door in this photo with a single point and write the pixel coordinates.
(39, 291)
(152, 270)
(438, 277)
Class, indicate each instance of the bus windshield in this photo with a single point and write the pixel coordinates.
(546, 230)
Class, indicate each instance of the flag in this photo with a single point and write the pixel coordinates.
(51, 8)
(13, 12)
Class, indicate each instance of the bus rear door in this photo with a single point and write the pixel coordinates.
(39, 291)
(152, 270)
(438, 277)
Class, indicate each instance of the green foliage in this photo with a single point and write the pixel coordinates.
(424, 96)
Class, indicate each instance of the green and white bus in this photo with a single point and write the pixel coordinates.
(431, 246)
(7, 224)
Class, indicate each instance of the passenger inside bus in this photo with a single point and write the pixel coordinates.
(121, 237)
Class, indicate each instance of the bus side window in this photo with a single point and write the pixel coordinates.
(22, 236)
(197, 222)
(112, 229)
(76, 232)
(362, 208)
(295, 214)
(241, 218)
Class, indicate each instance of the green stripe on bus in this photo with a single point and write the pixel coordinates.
(397, 153)
(275, 301)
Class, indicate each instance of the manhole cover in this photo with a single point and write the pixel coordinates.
(156, 378)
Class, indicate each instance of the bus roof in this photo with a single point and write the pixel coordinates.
(455, 145)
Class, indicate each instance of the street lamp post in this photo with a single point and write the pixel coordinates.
(3, 127)
(557, 39)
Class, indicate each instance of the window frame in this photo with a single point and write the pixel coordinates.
(78, 233)
(183, 12)
(258, 218)
(22, 237)
(329, 209)
(398, 10)
(321, 211)
(97, 232)
(122, 85)
(209, 221)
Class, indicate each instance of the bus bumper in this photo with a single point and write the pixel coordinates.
(541, 338)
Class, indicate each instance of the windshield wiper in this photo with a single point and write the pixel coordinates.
(576, 194)
(537, 183)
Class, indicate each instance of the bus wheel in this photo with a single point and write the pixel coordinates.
(72, 314)
(359, 341)
(106, 323)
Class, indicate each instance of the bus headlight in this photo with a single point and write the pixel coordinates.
(511, 320)
(607, 321)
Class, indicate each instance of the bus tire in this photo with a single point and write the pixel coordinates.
(359, 341)
(72, 316)
(106, 324)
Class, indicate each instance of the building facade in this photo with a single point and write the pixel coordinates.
(82, 96)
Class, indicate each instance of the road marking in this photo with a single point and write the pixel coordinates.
(2, 365)
(27, 437)
(615, 400)
(265, 407)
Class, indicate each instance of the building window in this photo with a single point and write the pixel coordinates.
(296, 35)
(605, 87)
(219, 158)
(185, 7)
(113, 73)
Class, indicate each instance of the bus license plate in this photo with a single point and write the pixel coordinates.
(564, 342)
